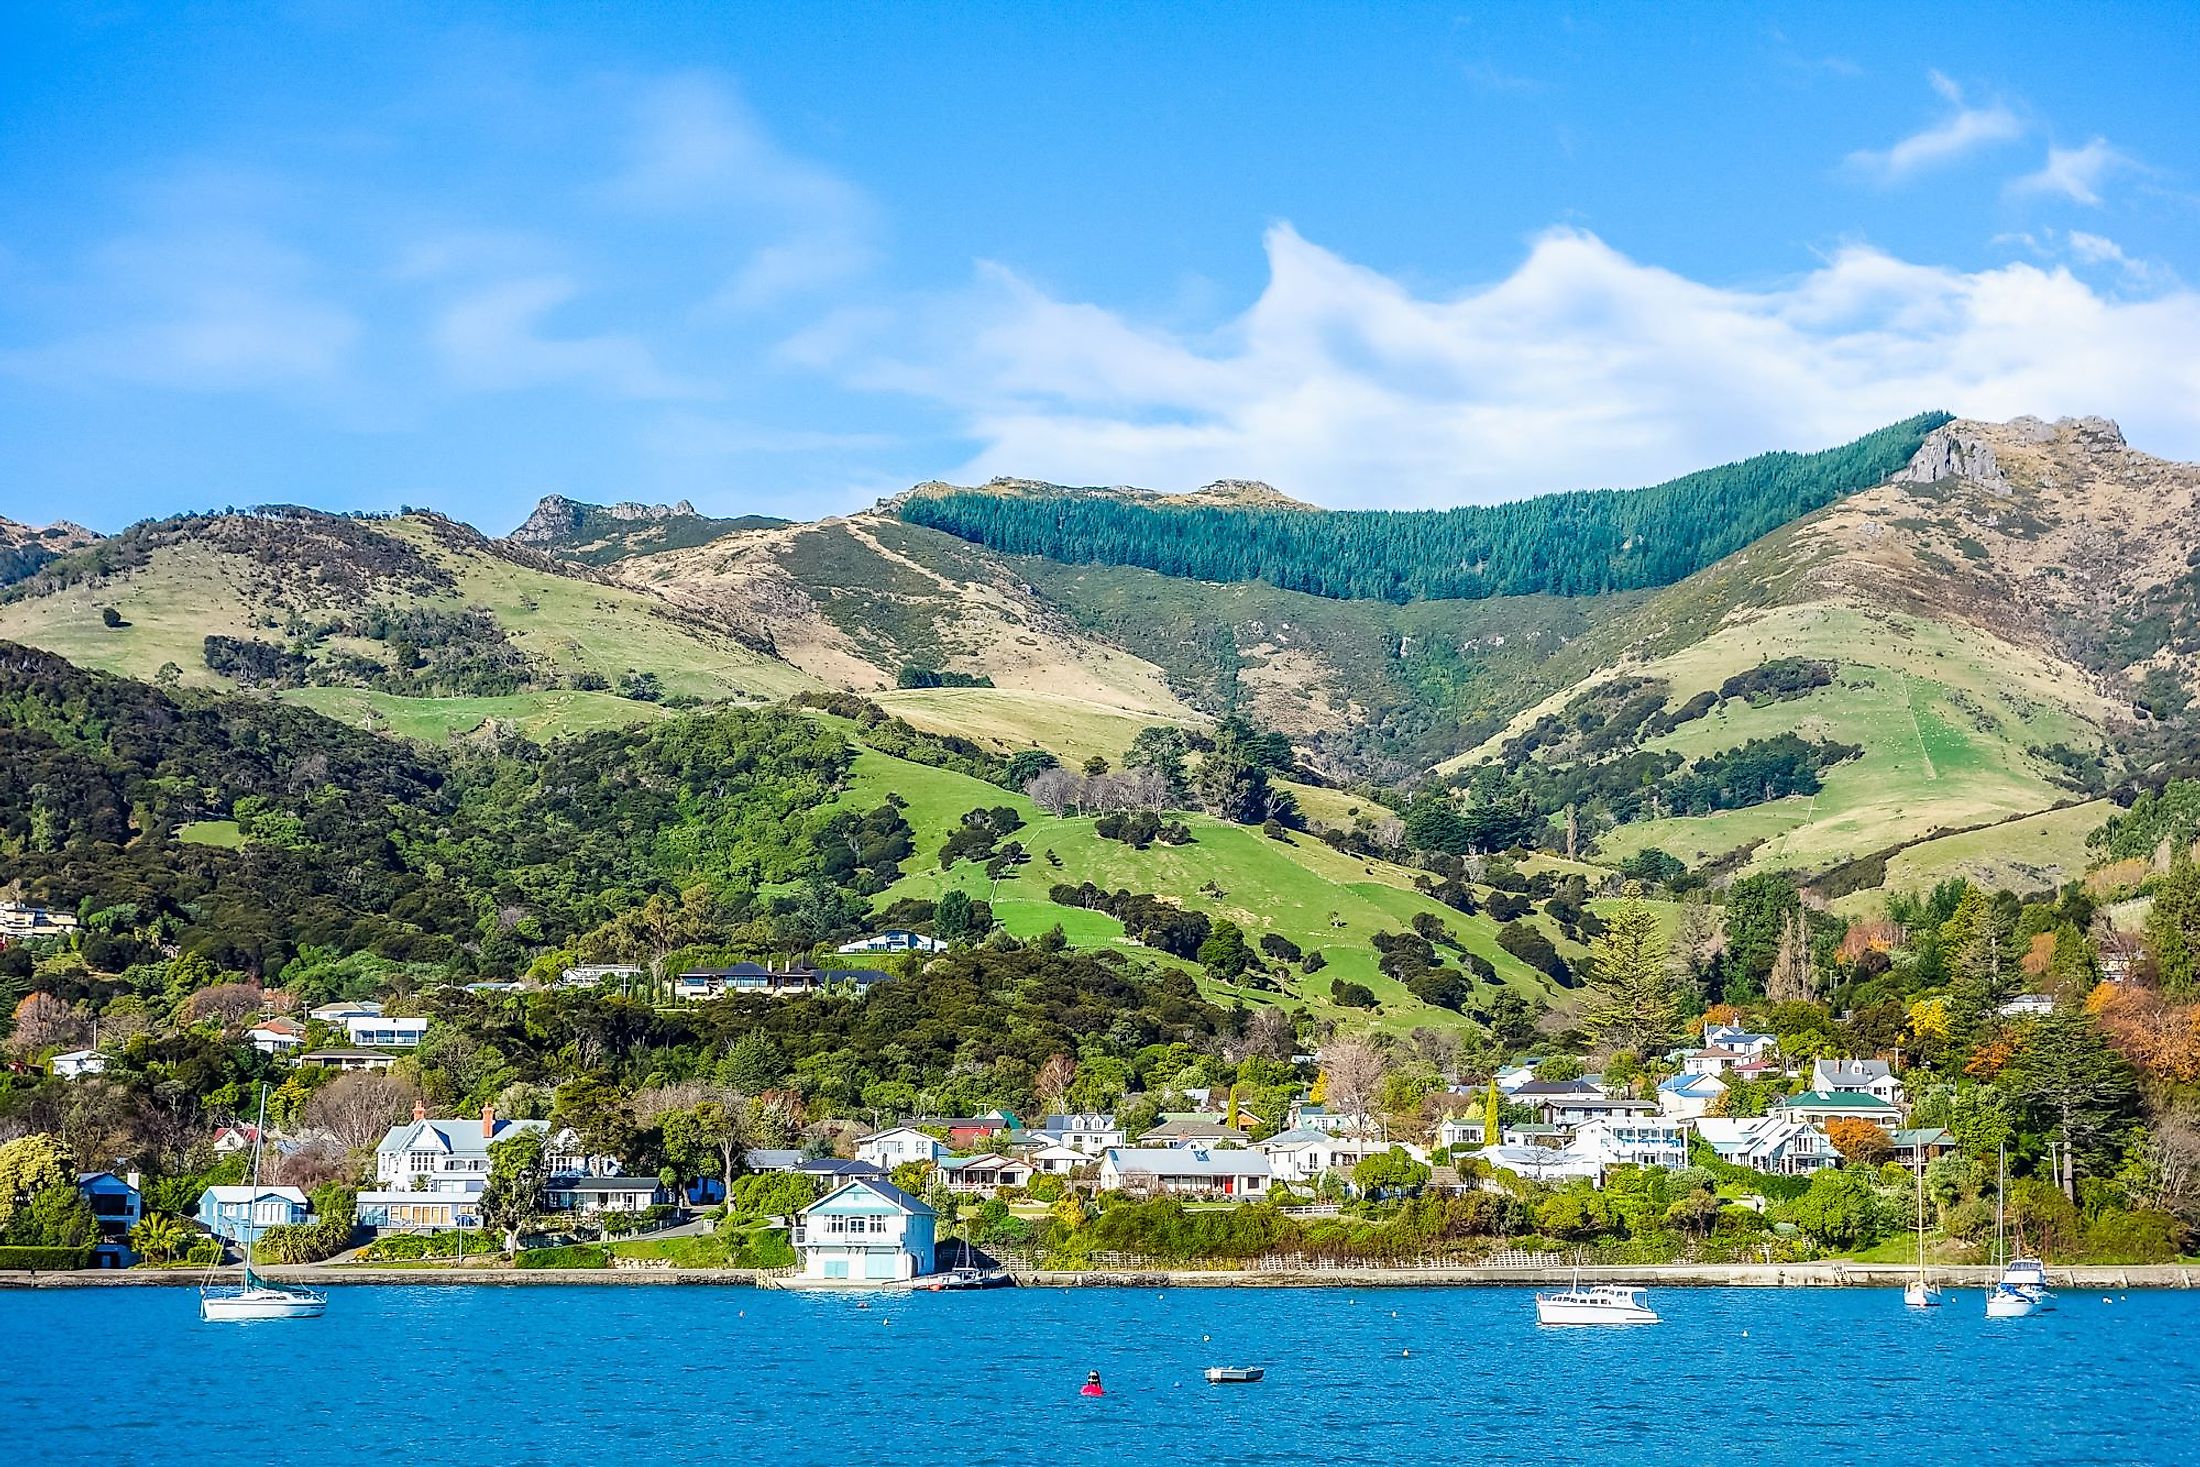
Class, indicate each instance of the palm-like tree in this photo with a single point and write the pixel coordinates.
(159, 1238)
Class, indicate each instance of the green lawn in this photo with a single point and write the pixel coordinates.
(537, 715)
(222, 833)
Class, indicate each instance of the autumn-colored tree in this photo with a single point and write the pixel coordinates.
(1860, 1142)
(1992, 1055)
(44, 1022)
(359, 1108)
(2160, 1038)
(225, 1004)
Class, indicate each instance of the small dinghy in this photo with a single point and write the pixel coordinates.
(1234, 1374)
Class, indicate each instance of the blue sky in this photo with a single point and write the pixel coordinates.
(786, 259)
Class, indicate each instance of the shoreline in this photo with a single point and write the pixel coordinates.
(1829, 1274)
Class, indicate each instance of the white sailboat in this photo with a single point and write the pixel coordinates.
(1921, 1294)
(2022, 1288)
(255, 1297)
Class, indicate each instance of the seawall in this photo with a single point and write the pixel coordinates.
(1829, 1274)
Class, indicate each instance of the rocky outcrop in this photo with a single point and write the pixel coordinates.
(557, 519)
(1956, 451)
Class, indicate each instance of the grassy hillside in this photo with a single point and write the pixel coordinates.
(1298, 887)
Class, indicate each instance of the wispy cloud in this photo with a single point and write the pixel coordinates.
(1581, 367)
(2073, 173)
(1965, 130)
(495, 339)
(696, 151)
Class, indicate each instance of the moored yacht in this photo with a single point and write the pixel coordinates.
(255, 1297)
(1596, 1304)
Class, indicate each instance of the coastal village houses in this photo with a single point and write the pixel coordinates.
(240, 1214)
(429, 1173)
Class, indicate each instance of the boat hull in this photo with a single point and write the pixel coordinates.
(2011, 1304)
(1919, 1296)
(1561, 1312)
(1229, 1375)
(268, 1304)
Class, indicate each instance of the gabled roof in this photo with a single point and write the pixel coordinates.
(453, 1137)
(897, 1131)
(1188, 1161)
(246, 1192)
(1556, 1090)
(1679, 1084)
(1841, 1099)
(884, 1190)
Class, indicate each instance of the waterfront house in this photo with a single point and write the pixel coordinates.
(898, 1146)
(1782, 1145)
(240, 1214)
(894, 940)
(1865, 1077)
(864, 1230)
(1685, 1097)
(590, 1196)
(1632, 1140)
(1091, 1132)
(78, 1063)
(984, 1173)
(348, 1059)
(117, 1206)
(1185, 1129)
(377, 1032)
(1187, 1168)
(430, 1172)
(1832, 1105)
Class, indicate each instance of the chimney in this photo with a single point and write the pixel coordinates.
(488, 1123)
(420, 1109)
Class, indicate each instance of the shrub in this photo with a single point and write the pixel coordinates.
(572, 1255)
(45, 1258)
(765, 1248)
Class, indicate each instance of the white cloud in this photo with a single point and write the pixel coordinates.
(697, 151)
(493, 340)
(1965, 130)
(200, 308)
(2074, 173)
(1581, 368)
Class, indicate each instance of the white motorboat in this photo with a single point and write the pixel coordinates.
(1234, 1374)
(2022, 1288)
(1596, 1304)
(255, 1297)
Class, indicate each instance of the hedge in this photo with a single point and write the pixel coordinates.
(46, 1258)
(572, 1255)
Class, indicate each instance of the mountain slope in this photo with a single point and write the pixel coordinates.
(24, 548)
(411, 611)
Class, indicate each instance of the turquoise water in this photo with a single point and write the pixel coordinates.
(463, 1376)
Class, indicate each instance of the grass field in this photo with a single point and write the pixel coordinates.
(1297, 887)
(223, 833)
(539, 716)
(2036, 853)
(1007, 719)
(1945, 716)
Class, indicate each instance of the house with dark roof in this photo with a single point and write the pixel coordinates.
(865, 1230)
(764, 980)
(1868, 1076)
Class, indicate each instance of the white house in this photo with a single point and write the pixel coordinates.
(78, 1063)
(1822, 1106)
(349, 1059)
(336, 1013)
(429, 1173)
(2026, 1005)
(1868, 1077)
(587, 1196)
(1091, 1132)
(864, 1231)
(1055, 1159)
(1733, 1036)
(276, 1036)
(1685, 1097)
(1512, 1077)
(1460, 1130)
(1542, 1163)
(592, 975)
(894, 940)
(373, 1031)
(984, 1173)
(1303, 1155)
(1781, 1144)
(899, 1146)
(1184, 1169)
(1632, 1141)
